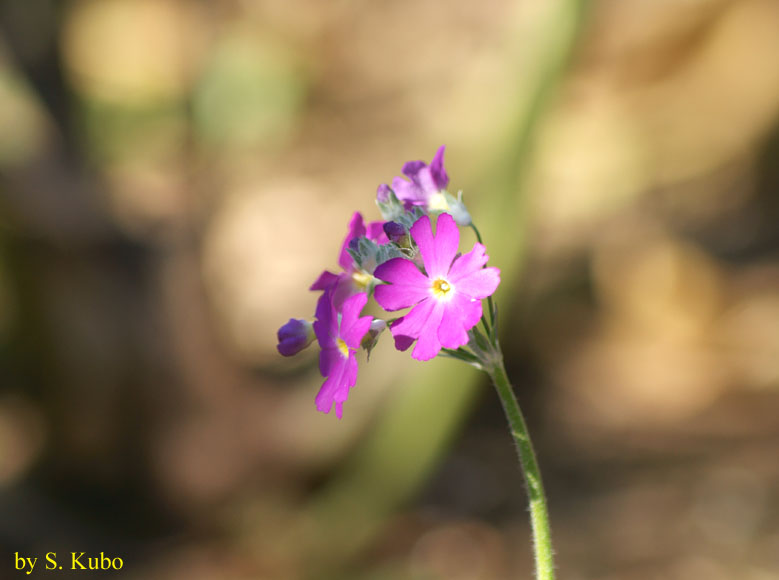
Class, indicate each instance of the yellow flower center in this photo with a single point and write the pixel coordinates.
(343, 347)
(362, 279)
(437, 202)
(442, 290)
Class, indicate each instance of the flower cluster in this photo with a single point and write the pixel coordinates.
(402, 263)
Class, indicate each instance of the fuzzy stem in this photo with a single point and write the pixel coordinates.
(539, 516)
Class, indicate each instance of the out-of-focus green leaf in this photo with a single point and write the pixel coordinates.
(251, 93)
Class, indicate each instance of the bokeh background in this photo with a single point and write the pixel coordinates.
(175, 173)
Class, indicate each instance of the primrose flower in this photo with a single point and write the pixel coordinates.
(446, 300)
(354, 277)
(405, 266)
(427, 189)
(426, 180)
(294, 336)
(339, 332)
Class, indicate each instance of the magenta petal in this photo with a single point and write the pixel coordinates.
(447, 238)
(329, 357)
(467, 263)
(407, 191)
(341, 372)
(402, 272)
(403, 342)
(353, 334)
(349, 379)
(413, 323)
(393, 297)
(437, 171)
(422, 232)
(439, 251)
(479, 284)
(408, 287)
(461, 314)
(336, 387)
(325, 280)
(352, 328)
(424, 179)
(324, 398)
(469, 309)
(411, 168)
(422, 324)
(351, 308)
(344, 288)
(326, 324)
(375, 232)
(333, 386)
(356, 230)
(428, 345)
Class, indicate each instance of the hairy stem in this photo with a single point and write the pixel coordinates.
(539, 516)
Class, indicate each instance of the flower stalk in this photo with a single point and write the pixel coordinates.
(539, 515)
(489, 358)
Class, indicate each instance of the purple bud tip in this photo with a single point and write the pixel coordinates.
(294, 336)
(383, 193)
(394, 231)
(354, 244)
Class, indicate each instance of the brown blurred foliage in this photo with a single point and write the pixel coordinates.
(174, 174)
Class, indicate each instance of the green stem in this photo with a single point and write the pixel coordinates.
(539, 516)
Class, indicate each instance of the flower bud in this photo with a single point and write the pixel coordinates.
(372, 336)
(389, 204)
(383, 193)
(294, 336)
(395, 231)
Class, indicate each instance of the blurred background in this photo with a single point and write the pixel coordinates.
(175, 173)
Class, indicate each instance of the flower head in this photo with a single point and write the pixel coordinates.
(446, 299)
(425, 188)
(425, 180)
(294, 336)
(339, 332)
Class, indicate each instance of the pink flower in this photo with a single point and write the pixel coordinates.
(425, 188)
(424, 182)
(446, 300)
(352, 279)
(339, 333)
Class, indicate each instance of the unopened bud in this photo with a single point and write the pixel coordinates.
(396, 233)
(372, 336)
(294, 336)
(389, 204)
